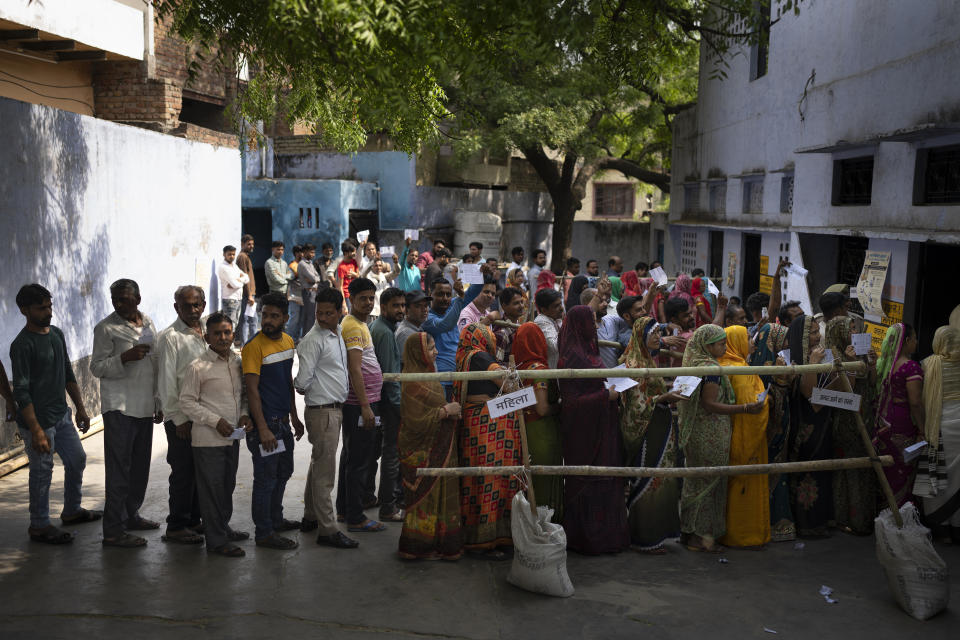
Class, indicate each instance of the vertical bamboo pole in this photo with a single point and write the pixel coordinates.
(868, 443)
(525, 456)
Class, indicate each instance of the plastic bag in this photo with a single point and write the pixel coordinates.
(916, 573)
(540, 551)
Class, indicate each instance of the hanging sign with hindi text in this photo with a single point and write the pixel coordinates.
(510, 402)
(837, 399)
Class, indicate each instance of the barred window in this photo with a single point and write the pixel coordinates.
(938, 176)
(613, 200)
(852, 181)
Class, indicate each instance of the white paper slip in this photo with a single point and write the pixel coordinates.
(763, 396)
(827, 356)
(363, 235)
(712, 288)
(797, 270)
(250, 311)
(659, 275)
(838, 399)
(387, 251)
(914, 451)
(510, 402)
(620, 384)
(238, 433)
(785, 354)
(861, 343)
(685, 385)
(146, 337)
(470, 274)
(413, 234)
(280, 449)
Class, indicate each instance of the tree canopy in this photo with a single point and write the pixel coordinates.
(578, 86)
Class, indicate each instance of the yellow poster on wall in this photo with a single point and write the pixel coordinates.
(766, 284)
(764, 265)
(870, 285)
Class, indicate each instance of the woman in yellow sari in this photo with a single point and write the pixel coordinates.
(748, 497)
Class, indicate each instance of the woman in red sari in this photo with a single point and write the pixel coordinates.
(485, 442)
(595, 513)
(428, 438)
(631, 284)
(546, 280)
(702, 309)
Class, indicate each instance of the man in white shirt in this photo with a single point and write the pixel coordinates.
(322, 380)
(213, 398)
(549, 318)
(177, 346)
(121, 359)
(232, 279)
(539, 262)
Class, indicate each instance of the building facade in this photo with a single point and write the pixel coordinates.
(836, 134)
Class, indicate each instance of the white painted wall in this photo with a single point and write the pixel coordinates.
(103, 24)
(84, 202)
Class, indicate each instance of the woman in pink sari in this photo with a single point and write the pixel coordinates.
(631, 284)
(900, 385)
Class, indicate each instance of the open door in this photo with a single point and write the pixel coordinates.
(259, 224)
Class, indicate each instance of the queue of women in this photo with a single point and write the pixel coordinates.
(728, 420)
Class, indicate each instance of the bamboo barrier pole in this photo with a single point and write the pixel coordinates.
(656, 472)
(868, 443)
(665, 372)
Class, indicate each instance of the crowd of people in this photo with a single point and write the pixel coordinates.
(217, 380)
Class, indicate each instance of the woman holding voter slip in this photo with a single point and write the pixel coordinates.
(811, 427)
(770, 341)
(855, 491)
(594, 514)
(900, 408)
(650, 440)
(748, 498)
(485, 442)
(543, 429)
(432, 524)
(705, 433)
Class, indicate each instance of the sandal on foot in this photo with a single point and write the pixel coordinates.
(396, 516)
(273, 541)
(370, 526)
(127, 541)
(50, 535)
(228, 551)
(141, 524)
(183, 536)
(237, 536)
(84, 515)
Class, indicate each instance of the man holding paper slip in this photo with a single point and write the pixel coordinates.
(213, 398)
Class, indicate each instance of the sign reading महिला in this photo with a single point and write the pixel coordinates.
(509, 402)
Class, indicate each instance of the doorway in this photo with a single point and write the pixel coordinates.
(934, 302)
(750, 283)
(365, 220)
(259, 224)
(715, 265)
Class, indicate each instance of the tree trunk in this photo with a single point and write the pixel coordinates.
(564, 209)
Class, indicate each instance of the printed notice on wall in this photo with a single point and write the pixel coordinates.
(731, 270)
(870, 285)
(507, 403)
(838, 399)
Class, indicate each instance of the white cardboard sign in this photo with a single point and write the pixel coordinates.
(413, 234)
(837, 399)
(685, 385)
(659, 275)
(470, 274)
(510, 402)
(785, 354)
(861, 343)
(712, 288)
(797, 270)
(387, 251)
(362, 236)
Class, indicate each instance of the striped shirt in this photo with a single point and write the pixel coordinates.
(356, 335)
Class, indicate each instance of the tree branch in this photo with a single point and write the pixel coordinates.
(633, 170)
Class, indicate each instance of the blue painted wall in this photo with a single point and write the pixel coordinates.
(331, 201)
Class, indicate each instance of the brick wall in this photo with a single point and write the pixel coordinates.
(201, 134)
(523, 177)
(124, 92)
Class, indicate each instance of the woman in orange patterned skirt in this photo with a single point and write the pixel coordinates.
(485, 442)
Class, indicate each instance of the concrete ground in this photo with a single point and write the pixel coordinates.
(180, 592)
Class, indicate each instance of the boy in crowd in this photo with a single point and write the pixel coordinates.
(41, 373)
(213, 398)
(267, 373)
(348, 269)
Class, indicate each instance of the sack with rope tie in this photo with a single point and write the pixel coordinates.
(917, 575)
(539, 551)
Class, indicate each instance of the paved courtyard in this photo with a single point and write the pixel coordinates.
(175, 591)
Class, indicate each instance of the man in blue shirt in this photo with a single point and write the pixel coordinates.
(441, 323)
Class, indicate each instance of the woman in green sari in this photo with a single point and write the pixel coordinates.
(650, 440)
(705, 432)
(855, 491)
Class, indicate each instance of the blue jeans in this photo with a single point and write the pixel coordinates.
(65, 442)
(270, 475)
(248, 327)
(293, 324)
